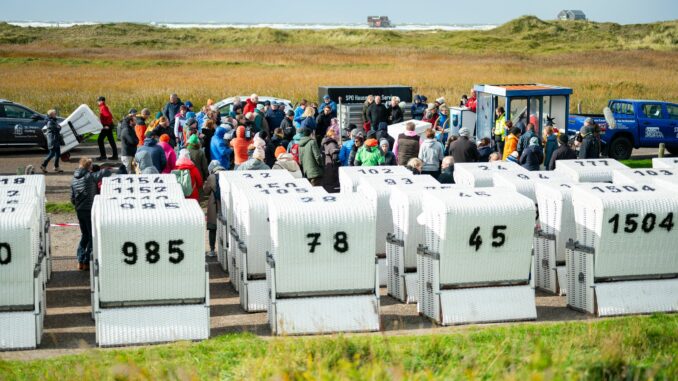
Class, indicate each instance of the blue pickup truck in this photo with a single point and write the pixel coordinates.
(637, 123)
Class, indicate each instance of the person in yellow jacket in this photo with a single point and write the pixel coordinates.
(499, 128)
(511, 142)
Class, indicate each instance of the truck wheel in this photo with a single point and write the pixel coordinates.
(620, 148)
(673, 150)
(66, 156)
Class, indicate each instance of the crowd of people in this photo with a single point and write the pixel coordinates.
(306, 141)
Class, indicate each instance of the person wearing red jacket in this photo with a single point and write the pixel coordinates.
(106, 119)
(251, 104)
(472, 102)
(185, 163)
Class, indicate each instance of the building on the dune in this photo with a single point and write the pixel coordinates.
(571, 14)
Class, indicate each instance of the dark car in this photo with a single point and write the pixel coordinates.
(21, 126)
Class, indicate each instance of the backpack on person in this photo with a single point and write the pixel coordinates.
(184, 179)
(294, 151)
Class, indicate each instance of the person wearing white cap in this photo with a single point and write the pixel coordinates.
(463, 150)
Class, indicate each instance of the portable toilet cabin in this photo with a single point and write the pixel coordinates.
(533, 102)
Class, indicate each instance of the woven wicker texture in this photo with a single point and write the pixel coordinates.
(18, 186)
(338, 262)
(477, 175)
(629, 226)
(556, 214)
(250, 211)
(172, 225)
(589, 170)
(349, 177)
(405, 205)
(378, 189)
(667, 183)
(482, 235)
(664, 162)
(166, 191)
(523, 183)
(642, 175)
(19, 250)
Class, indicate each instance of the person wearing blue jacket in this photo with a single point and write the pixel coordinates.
(298, 112)
(157, 153)
(418, 108)
(329, 102)
(347, 147)
(219, 149)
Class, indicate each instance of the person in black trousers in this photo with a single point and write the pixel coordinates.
(106, 119)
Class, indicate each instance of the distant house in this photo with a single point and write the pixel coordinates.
(571, 14)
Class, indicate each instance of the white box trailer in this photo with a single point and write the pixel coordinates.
(22, 300)
(150, 278)
(321, 270)
(623, 260)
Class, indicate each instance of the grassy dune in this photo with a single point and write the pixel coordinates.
(632, 348)
(138, 65)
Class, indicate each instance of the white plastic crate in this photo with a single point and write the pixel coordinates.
(251, 222)
(478, 175)
(641, 175)
(478, 249)
(321, 271)
(22, 300)
(524, 182)
(589, 170)
(226, 214)
(349, 177)
(402, 243)
(664, 162)
(377, 189)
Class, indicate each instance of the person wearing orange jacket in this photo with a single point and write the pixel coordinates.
(511, 143)
(141, 127)
(184, 163)
(240, 144)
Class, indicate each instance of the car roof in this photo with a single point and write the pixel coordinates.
(639, 101)
(262, 99)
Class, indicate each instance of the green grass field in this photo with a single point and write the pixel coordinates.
(630, 348)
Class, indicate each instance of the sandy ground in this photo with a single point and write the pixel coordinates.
(69, 327)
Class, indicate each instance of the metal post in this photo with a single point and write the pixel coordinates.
(662, 147)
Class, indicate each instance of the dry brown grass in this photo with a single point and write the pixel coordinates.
(45, 78)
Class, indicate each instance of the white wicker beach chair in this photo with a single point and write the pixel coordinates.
(475, 266)
(321, 270)
(623, 260)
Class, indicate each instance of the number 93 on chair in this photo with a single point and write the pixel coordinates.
(475, 266)
(149, 274)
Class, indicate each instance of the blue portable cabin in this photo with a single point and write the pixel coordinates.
(533, 102)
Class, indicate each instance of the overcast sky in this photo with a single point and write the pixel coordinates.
(339, 11)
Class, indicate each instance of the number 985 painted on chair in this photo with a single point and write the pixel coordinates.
(150, 282)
